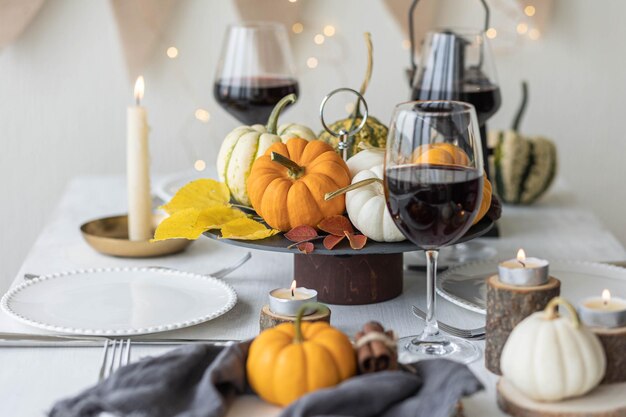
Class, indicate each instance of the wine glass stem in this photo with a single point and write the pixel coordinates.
(431, 328)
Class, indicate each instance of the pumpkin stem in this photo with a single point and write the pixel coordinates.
(351, 187)
(318, 307)
(551, 313)
(368, 76)
(522, 107)
(295, 170)
(272, 121)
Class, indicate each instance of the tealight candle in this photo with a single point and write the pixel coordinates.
(287, 301)
(523, 271)
(605, 311)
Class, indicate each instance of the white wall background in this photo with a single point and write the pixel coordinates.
(64, 89)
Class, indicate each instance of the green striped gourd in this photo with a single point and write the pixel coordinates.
(524, 167)
(245, 144)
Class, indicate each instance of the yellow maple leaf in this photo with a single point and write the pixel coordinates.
(191, 223)
(217, 216)
(199, 194)
(246, 229)
(181, 225)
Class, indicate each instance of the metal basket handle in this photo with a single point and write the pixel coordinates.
(413, 69)
(342, 134)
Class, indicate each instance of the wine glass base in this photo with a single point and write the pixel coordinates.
(418, 348)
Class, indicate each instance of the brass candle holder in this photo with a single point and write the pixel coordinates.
(109, 236)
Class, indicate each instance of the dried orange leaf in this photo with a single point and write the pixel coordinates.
(356, 241)
(300, 233)
(180, 225)
(246, 229)
(336, 225)
(199, 194)
(331, 241)
(306, 247)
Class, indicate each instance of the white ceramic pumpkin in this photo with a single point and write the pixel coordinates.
(368, 210)
(550, 358)
(365, 159)
(245, 144)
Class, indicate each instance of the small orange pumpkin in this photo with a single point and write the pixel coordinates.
(448, 154)
(291, 360)
(287, 184)
(440, 153)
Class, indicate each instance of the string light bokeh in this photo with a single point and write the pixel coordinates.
(522, 16)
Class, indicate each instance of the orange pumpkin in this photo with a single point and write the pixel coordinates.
(448, 154)
(440, 153)
(290, 360)
(287, 184)
(485, 203)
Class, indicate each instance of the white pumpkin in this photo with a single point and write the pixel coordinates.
(550, 358)
(367, 208)
(365, 159)
(245, 144)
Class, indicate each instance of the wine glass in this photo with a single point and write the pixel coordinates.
(458, 65)
(433, 186)
(255, 71)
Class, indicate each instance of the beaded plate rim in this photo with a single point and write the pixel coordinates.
(9, 296)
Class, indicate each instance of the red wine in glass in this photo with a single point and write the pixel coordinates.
(251, 99)
(433, 205)
(485, 98)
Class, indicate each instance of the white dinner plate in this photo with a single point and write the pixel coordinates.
(169, 185)
(118, 301)
(455, 255)
(465, 285)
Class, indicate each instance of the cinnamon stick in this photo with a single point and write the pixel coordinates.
(376, 350)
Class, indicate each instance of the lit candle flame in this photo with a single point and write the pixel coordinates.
(140, 86)
(293, 288)
(521, 257)
(606, 297)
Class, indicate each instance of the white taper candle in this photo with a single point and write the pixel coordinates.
(138, 169)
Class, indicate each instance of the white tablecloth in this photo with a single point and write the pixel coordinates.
(33, 378)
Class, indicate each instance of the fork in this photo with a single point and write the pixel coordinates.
(471, 334)
(118, 356)
(219, 274)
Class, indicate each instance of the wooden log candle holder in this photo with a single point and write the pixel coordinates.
(507, 305)
(604, 401)
(614, 343)
(270, 319)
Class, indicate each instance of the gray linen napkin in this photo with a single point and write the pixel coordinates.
(200, 381)
(191, 381)
(433, 391)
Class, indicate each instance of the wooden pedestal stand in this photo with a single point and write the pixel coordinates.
(270, 319)
(604, 401)
(351, 279)
(344, 275)
(507, 305)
